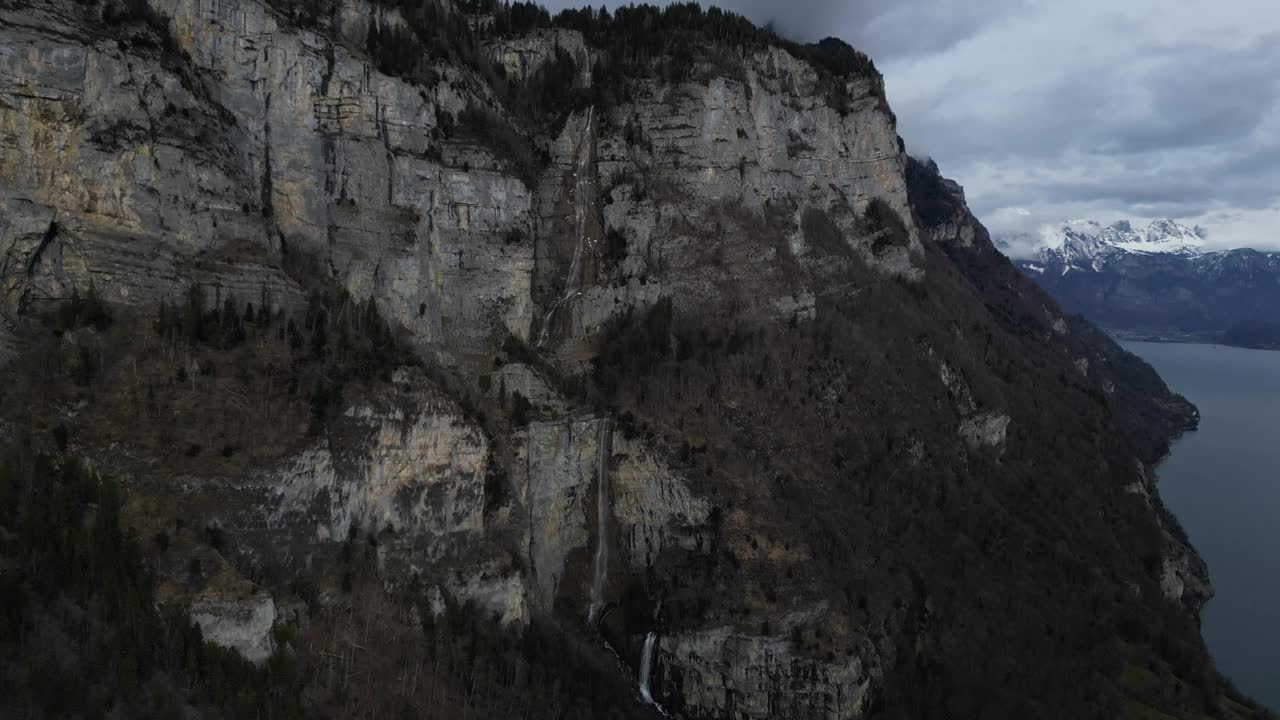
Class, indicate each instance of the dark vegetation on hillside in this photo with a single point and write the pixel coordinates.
(919, 535)
(210, 376)
(961, 552)
(83, 634)
(79, 629)
(1162, 659)
(1142, 405)
(208, 382)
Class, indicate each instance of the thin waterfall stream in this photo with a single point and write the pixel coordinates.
(600, 569)
(581, 188)
(646, 665)
(646, 673)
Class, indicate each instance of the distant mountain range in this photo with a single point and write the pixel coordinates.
(1157, 282)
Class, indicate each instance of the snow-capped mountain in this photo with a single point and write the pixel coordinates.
(1081, 244)
(1157, 281)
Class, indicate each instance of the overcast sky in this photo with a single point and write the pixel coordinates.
(1102, 109)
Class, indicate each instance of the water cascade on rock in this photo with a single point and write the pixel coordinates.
(581, 189)
(646, 665)
(601, 566)
(646, 673)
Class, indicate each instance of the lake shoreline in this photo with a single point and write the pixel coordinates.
(1181, 338)
(1222, 484)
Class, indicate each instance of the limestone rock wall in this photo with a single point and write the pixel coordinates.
(562, 464)
(705, 184)
(141, 171)
(522, 57)
(655, 508)
(241, 622)
(408, 467)
(113, 170)
(722, 673)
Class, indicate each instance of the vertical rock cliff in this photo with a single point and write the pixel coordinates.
(665, 345)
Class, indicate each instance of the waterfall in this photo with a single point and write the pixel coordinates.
(646, 666)
(646, 673)
(601, 567)
(581, 188)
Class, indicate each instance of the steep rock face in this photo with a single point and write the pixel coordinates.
(563, 459)
(654, 514)
(399, 475)
(332, 156)
(739, 160)
(522, 57)
(753, 677)
(98, 147)
(341, 151)
(326, 154)
(654, 506)
(243, 624)
(717, 369)
(410, 467)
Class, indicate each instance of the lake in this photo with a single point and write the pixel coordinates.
(1223, 483)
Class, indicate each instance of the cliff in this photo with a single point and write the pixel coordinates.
(581, 331)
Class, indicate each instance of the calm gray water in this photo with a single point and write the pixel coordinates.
(1223, 483)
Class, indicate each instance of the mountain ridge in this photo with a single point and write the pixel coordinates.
(1158, 284)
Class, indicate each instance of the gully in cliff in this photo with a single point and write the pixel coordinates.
(582, 186)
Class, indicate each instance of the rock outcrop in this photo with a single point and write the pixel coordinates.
(408, 467)
(758, 678)
(563, 457)
(243, 624)
(985, 429)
